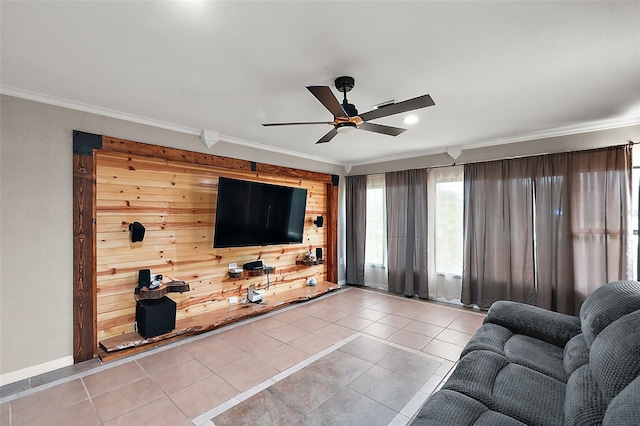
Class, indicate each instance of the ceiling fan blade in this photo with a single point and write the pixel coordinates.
(326, 138)
(296, 123)
(328, 99)
(379, 128)
(404, 106)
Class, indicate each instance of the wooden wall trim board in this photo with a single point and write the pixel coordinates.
(89, 269)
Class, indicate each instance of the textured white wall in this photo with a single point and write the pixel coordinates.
(36, 222)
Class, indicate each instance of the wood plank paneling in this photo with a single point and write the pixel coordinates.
(175, 200)
(84, 293)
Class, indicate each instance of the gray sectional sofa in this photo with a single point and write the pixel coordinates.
(530, 366)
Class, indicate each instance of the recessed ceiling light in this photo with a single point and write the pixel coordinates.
(410, 119)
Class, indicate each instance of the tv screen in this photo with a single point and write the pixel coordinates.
(258, 214)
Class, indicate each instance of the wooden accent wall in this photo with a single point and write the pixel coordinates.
(172, 192)
(176, 203)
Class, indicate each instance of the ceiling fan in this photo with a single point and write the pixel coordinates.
(345, 115)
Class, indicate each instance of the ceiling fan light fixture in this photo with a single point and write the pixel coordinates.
(410, 119)
(345, 127)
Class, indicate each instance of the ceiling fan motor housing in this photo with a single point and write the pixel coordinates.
(345, 83)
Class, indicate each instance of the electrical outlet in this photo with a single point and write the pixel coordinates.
(233, 265)
(233, 299)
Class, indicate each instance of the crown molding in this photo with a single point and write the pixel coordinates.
(106, 112)
(551, 133)
(545, 134)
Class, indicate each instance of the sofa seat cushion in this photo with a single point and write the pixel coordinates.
(519, 349)
(503, 386)
(450, 408)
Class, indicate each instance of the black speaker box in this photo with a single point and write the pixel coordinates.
(144, 278)
(155, 316)
(137, 232)
(319, 253)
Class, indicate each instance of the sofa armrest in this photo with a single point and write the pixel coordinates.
(520, 318)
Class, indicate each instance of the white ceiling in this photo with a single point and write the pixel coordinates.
(497, 71)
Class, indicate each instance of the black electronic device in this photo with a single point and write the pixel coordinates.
(136, 230)
(155, 316)
(258, 214)
(144, 278)
(319, 253)
(252, 266)
(319, 221)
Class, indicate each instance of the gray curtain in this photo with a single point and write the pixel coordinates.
(498, 223)
(547, 230)
(406, 193)
(356, 224)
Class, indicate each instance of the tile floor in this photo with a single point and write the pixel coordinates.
(355, 356)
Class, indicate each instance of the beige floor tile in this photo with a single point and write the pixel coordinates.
(117, 402)
(162, 411)
(205, 345)
(164, 359)
(310, 323)
(222, 359)
(247, 374)
(286, 333)
(453, 336)
(282, 357)
(423, 328)
(443, 349)
(289, 316)
(395, 321)
(467, 323)
(330, 315)
(81, 413)
(371, 314)
(237, 334)
(379, 330)
(354, 322)
(334, 332)
(112, 378)
(257, 344)
(409, 339)
(311, 343)
(203, 396)
(265, 324)
(441, 317)
(47, 401)
(180, 376)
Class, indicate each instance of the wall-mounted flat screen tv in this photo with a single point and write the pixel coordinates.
(258, 214)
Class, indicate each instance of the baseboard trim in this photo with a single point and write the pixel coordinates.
(35, 370)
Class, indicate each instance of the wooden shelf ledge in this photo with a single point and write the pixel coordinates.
(128, 343)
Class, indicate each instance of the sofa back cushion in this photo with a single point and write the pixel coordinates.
(614, 357)
(606, 304)
(624, 408)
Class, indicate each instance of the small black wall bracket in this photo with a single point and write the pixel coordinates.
(335, 179)
(254, 166)
(84, 143)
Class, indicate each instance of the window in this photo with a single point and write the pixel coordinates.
(446, 233)
(375, 253)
